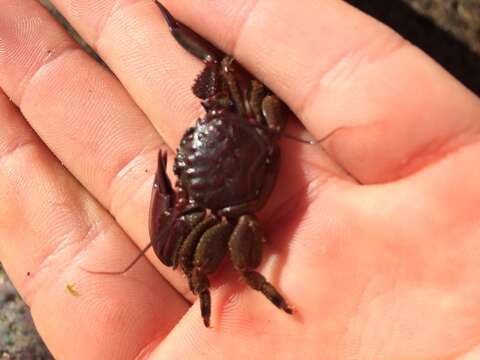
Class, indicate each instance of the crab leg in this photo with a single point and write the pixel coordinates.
(228, 72)
(187, 249)
(245, 246)
(209, 254)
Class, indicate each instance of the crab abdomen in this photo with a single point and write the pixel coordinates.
(223, 161)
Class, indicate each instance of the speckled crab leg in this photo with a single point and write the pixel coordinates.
(228, 72)
(245, 247)
(209, 254)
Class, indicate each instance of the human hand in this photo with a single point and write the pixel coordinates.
(387, 270)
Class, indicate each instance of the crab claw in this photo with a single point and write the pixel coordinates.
(162, 212)
(188, 39)
(171, 219)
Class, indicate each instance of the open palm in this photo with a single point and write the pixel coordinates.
(384, 270)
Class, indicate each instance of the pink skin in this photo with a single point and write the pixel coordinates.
(384, 271)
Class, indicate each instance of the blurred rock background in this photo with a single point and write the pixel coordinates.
(460, 17)
(18, 337)
(448, 30)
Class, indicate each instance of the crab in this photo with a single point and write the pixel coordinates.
(226, 166)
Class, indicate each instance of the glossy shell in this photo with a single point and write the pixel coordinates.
(223, 161)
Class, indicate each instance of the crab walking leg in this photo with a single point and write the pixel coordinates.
(209, 254)
(267, 109)
(181, 229)
(187, 248)
(276, 113)
(201, 285)
(255, 94)
(228, 72)
(245, 247)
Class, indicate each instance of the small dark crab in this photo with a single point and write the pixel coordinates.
(226, 166)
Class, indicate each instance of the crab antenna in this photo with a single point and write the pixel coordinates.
(299, 139)
(322, 139)
(313, 142)
(129, 266)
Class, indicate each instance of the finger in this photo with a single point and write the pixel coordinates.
(338, 68)
(85, 116)
(133, 39)
(108, 144)
(48, 224)
(49, 77)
